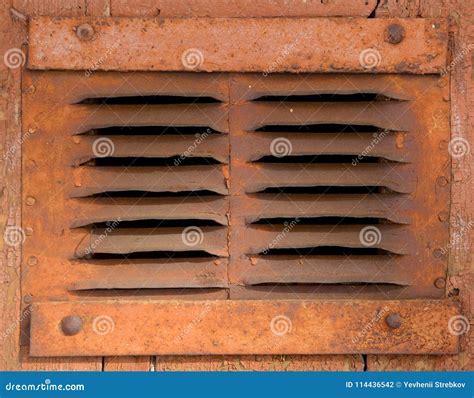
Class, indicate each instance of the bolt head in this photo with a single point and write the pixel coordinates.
(393, 320)
(85, 32)
(440, 283)
(394, 33)
(71, 325)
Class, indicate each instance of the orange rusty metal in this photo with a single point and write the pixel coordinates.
(241, 327)
(118, 166)
(222, 44)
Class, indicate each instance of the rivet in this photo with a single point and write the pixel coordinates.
(85, 32)
(32, 260)
(394, 33)
(30, 200)
(29, 231)
(393, 320)
(437, 253)
(443, 216)
(71, 325)
(31, 89)
(442, 181)
(440, 283)
(27, 298)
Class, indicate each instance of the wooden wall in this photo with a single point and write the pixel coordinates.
(13, 21)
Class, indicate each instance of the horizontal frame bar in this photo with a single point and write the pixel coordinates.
(242, 327)
(283, 44)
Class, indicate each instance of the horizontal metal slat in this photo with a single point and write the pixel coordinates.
(88, 117)
(212, 240)
(243, 327)
(177, 44)
(391, 146)
(151, 274)
(90, 211)
(325, 270)
(93, 180)
(381, 114)
(213, 146)
(394, 238)
(393, 207)
(250, 86)
(399, 178)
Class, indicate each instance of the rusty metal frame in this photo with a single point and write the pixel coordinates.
(176, 44)
(53, 218)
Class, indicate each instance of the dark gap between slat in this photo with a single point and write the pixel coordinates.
(149, 100)
(175, 161)
(328, 97)
(348, 220)
(320, 128)
(152, 130)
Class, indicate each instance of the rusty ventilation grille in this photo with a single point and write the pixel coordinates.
(238, 186)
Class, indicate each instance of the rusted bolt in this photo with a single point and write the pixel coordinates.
(442, 181)
(27, 299)
(437, 253)
(31, 89)
(32, 260)
(30, 200)
(443, 216)
(28, 231)
(440, 283)
(71, 325)
(85, 32)
(393, 320)
(394, 33)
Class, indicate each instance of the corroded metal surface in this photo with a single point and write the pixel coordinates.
(75, 251)
(244, 327)
(282, 44)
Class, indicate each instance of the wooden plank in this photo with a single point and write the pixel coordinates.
(174, 44)
(241, 8)
(94, 180)
(243, 327)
